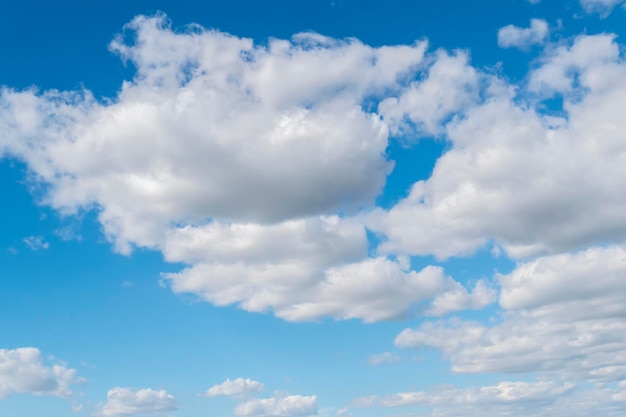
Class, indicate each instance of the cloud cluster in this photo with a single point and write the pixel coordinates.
(563, 316)
(279, 405)
(532, 181)
(257, 165)
(540, 182)
(246, 162)
(126, 402)
(22, 371)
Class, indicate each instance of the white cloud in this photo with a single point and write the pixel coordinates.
(515, 37)
(36, 242)
(371, 290)
(583, 64)
(601, 7)
(239, 388)
(126, 402)
(457, 298)
(382, 358)
(234, 158)
(213, 156)
(212, 126)
(287, 406)
(451, 85)
(375, 289)
(534, 183)
(22, 371)
(563, 317)
(542, 398)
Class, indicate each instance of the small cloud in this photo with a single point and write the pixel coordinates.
(383, 358)
(36, 242)
(284, 406)
(344, 412)
(128, 284)
(11, 250)
(522, 38)
(238, 388)
(127, 402)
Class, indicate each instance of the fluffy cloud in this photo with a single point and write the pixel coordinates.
(515, 37)
(563, 316)
(23, 371)
(450, 86)
(532, 182)
(288, 406)
(126, 402)
(239, 388)
(234, 159)
(372, 290)
(213, 126)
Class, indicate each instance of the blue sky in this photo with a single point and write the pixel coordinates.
(333, 208)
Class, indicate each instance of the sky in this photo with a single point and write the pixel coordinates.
(335, 208)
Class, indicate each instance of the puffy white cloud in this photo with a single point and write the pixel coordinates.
(234, 159)
(213, 156)
(590, 62)
(533, 183)
(279, 406)
(457, 298)
(375, 289)
(239, 388)
(126, 402)
(22, 371)
(564, 316)
(372, 290)
(213, 126)
(511, 36)
(450, 86)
